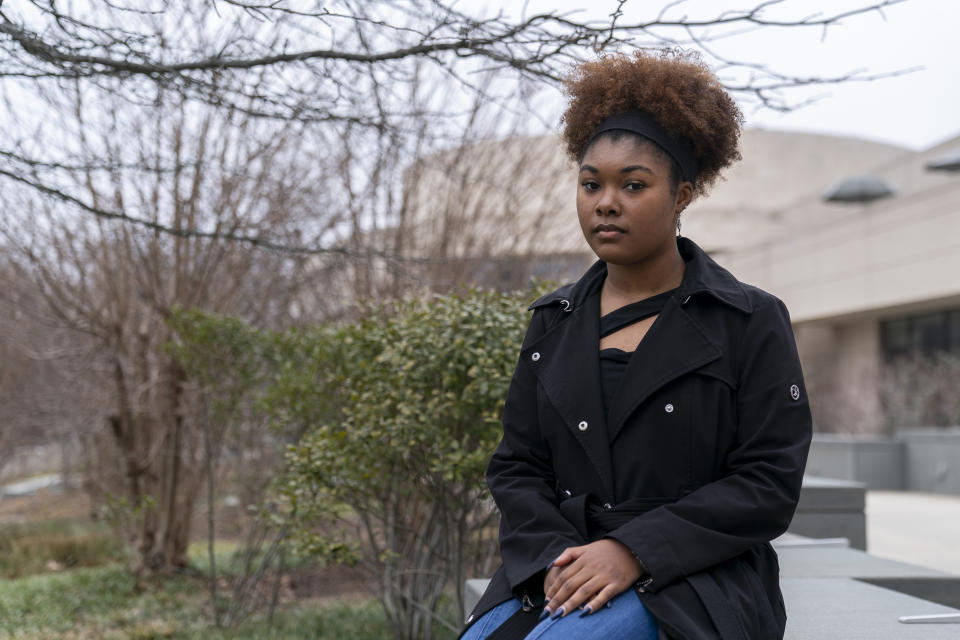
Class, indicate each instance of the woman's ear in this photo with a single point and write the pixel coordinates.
(684, 196)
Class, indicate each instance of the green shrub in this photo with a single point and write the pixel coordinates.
(394, 418)
(421, 391)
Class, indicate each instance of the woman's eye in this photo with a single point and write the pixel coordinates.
(589, 185)
(635, 186)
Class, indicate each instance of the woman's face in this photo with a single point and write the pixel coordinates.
(627, 211)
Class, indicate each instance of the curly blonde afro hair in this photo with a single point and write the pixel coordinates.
(674, 87)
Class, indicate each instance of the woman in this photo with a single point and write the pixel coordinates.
(656, 427)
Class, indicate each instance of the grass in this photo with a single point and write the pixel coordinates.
(84, 604)
(82, 601)
(27, 549)
(224, 553)
(229, 557)
(340, 621)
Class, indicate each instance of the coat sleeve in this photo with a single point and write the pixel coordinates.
(754, 500)
(533, 532)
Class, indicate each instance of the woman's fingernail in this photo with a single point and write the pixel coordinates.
(546, 599)
(546, 612)
(586, 611)
(557, 614)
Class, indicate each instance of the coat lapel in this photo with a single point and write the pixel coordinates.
(674, 345)
(567, 364)
(567, 361)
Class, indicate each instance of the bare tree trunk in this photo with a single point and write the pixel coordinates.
(211, 522)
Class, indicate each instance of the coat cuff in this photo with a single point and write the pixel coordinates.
(520, 577)
(655, 555)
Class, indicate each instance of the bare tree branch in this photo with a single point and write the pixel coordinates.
(343, 69)
(453, 31)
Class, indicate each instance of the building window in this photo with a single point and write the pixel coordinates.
(922, 334)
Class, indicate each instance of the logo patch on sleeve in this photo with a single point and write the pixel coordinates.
(794, 392)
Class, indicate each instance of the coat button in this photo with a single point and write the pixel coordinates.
(607, 506)
(668, 408)
(583, 425)
(535, 356)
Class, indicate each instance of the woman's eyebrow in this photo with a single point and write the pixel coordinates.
(628, 169)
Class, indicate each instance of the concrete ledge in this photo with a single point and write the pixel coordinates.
(943, 590)
(838, 609)
(838, 593)
(847, 609)
(794, 540)
(830, 508)
(831, 494)
(472, 591)
(832, 562)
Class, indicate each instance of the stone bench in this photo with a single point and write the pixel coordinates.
(833, 589)
(849, 609)
(838, 593)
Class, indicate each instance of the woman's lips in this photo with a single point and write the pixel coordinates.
(607, 231)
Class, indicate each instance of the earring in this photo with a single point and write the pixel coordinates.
(678, 225)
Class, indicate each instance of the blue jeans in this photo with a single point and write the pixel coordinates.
(625, 619)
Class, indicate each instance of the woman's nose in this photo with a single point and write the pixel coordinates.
(607, 204)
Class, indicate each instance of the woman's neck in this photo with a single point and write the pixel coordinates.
(629, 283)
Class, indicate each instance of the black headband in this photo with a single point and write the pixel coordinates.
(642, 123)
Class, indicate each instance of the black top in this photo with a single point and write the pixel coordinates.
(613, 362)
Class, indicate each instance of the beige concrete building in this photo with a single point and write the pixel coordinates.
(496, 213)
(865, 280)
(868, 281)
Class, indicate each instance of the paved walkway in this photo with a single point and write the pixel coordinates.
(919, 528)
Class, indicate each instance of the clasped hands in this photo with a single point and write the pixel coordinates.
(589, 576)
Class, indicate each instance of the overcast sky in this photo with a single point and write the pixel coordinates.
(916, 110)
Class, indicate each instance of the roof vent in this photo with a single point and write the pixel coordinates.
(862, 188)
(950, 161)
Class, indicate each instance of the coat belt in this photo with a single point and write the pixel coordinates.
(593, 520)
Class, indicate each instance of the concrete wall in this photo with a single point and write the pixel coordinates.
(876, 462)
(913, 460)
(932, 459)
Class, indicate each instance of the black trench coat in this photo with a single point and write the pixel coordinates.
(698, 467)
